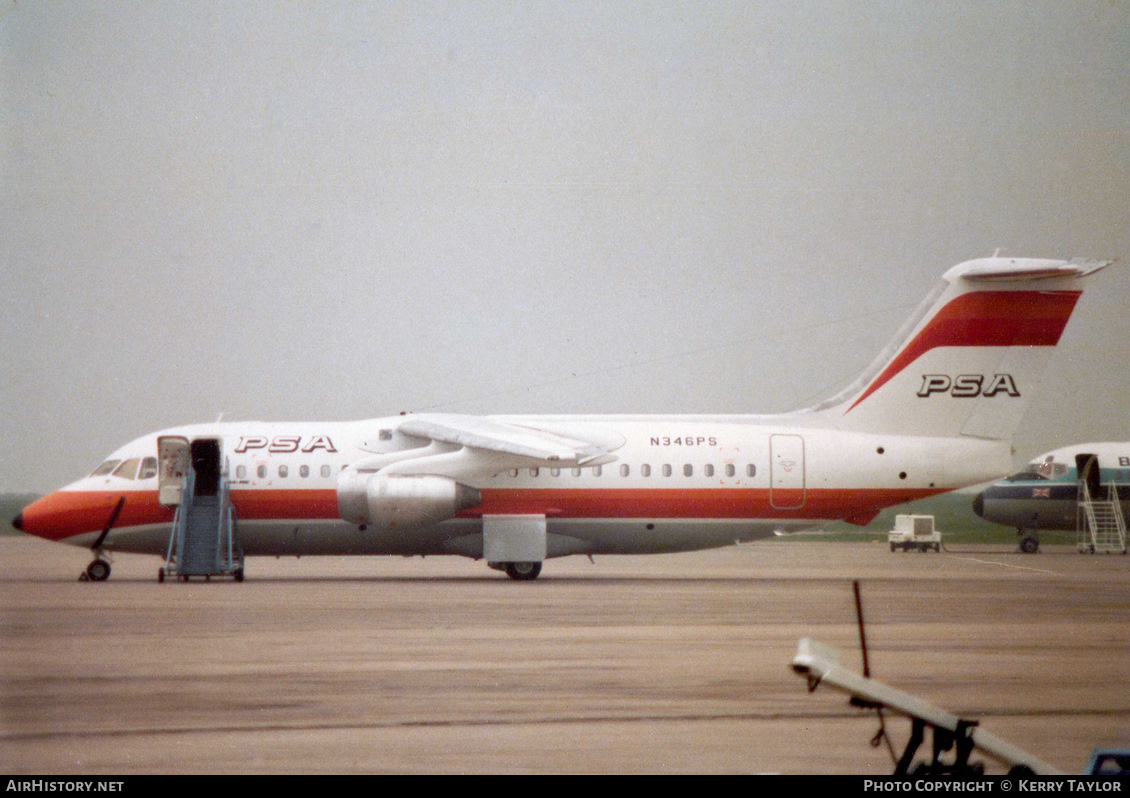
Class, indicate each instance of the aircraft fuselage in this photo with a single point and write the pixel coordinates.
(677, 484)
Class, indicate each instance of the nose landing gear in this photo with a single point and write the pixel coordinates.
(97, 571)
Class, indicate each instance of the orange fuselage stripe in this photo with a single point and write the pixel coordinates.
(68, 513)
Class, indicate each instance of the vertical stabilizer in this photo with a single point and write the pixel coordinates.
(974, 354)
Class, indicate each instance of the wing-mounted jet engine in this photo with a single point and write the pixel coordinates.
(420, 478)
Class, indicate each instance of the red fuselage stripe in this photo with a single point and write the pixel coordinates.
(68, 513)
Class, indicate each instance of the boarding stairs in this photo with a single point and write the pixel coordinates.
(1100, 526)
(203, 540)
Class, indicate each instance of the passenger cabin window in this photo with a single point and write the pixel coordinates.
(645, 470)
(148, 468)
(666, 470)
(596, 472)
(708, 469)
(128, 469)
(624, 470)
(283, 471)
(751, 470)
(730, 471)
(240, 472)
(325, 471)
(105, 468)
(688, 470)
(261, 472)
(304, 471)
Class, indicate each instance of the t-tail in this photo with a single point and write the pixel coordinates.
(973, 355)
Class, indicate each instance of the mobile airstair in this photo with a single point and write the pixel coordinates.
(1100, 526)
(203, 541)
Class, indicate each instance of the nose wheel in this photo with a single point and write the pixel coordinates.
(97, 571)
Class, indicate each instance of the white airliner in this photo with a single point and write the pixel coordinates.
(935, 412)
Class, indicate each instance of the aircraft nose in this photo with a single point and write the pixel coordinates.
(18, 522)
(979, 505)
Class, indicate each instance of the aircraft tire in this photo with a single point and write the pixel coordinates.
(238, 574)
(523, 571)
(894, 547)
(1029, 544)
(98, 571)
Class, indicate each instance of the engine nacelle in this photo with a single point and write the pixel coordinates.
(402, 501)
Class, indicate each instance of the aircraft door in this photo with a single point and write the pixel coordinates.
(786, 471)
(173, 460)
(1087, 469)
(206, 462)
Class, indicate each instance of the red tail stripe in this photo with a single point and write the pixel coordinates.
(986, 318)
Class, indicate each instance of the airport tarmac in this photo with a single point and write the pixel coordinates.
(658, 664)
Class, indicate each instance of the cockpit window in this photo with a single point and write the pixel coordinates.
(1026, 476)
(127, 470)
(1037, 471)
(148, 468)
(105, 468)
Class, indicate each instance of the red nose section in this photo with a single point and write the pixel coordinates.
(64, 514)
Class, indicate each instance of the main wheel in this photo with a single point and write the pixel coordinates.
(523, 571)
(98, 571)
(1029, 544)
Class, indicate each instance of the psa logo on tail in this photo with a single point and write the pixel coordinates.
(968, 386)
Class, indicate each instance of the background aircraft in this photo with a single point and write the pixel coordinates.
(1045, 494)
(934, 412)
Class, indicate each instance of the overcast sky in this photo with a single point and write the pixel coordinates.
(343, 210)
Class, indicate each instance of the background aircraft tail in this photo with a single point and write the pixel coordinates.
(970, 359)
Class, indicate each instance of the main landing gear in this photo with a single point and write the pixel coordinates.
(523, 571)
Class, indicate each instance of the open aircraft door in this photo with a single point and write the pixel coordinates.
(786, 471)
(1087, 467)
(173, 457)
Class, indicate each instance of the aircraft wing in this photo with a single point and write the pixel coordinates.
(820, 665)
(502, 437)
(467, 447)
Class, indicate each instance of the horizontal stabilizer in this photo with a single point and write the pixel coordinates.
(1002, 269)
